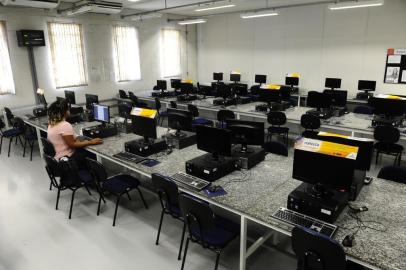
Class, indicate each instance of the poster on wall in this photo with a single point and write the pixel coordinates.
(395, 70)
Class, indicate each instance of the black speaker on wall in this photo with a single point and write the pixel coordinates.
(30, 38)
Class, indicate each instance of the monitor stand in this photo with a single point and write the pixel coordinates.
(146, 147)
(248, 157)
(211, 167)
(318, 202)
(181, 139)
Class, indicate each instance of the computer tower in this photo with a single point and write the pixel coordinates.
(139, 147)
(185, 140)
(249, 159)
(100, 131)
(208, 169)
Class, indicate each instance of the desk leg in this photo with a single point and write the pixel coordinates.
(41, 147)
(243, 243)
(5, 120)
(98, 158)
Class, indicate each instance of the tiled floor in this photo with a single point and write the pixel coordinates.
(33, 235)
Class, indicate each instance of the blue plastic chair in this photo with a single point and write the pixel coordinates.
(205, 228)
(196, 119)
(13, 133)
(117, 185)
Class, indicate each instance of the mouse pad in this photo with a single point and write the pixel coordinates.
(150, 162)
(220, 192)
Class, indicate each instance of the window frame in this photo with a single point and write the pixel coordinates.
(162, 52)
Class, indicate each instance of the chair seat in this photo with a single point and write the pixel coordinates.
(121, 183)
(163, 114)
(174, 209)
(223, 233)
(202, 121)
(32, 137)
(388, 148)
(85, 177)
(278, 130)
(11, 132)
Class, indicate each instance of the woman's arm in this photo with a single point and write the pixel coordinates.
(74, 143)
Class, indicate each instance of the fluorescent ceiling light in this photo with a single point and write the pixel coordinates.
(356, 4)
(258, 14)
(196, 21)
(212, 8)
(80, 10)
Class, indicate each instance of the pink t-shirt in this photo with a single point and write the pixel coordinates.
(55, 134)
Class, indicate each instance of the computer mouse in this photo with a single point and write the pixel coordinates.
(214, 189)
(349, 241)
(368, 180)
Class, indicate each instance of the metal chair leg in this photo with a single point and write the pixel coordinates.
(115, 211)
(159, 227)
(128, 195)
(142, 198)
(98, 206)
(184, 254)
(57, 198)
(71, 203)
(88, 191)
(217, 261)
(24, 147)
(32, 148)
(181, 241)
(9, 145)
(377, 156)
(1, 143)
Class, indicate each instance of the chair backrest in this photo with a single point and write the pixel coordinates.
(386, 134)
(198, 216)
(309, 121)
(315, 251)
(122, 94)
(276, 148)
(20, 125)
(174, 105)
(276, 118)
(285, 92)
(364, 110)
(9, 114)
(393, 173)
(193, 110)
(97, 170)
(2, 125)
(157, 104)
(48, 147)
(155, 88)
(254, 89)
(224, 115)
(53, 169)
(133, 97)
(167, 191)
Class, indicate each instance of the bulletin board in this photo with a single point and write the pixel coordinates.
(395, 69)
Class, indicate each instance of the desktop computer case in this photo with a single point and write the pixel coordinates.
(254, 156)
(187, 140)
(205, 168)
(138, 147)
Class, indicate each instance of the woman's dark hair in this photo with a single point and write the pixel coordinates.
(57, 112)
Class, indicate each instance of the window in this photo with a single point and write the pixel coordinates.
(170, 58)
(6, 74)
(126, 53)
(67, 54)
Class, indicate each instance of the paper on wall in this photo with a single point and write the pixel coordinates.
(392, 74)
(394, 59)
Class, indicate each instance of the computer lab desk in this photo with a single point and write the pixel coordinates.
(349, 124)
(266, 189)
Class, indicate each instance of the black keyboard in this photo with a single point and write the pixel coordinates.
(190, 181)
(129, 157)
(295, 218)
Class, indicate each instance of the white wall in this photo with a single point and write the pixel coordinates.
(98, 52)
(314, 41)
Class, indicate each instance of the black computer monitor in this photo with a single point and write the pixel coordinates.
(318, 100)
(90, 100)
(366, 86)
(70, 97)
(144, 126)
(246, 133)
(161, 85)
(101, 113)
(260, 79)
(218, 76)
(240, 89)
(333, 83)
(322, 170)
(214, 140)
(179, 120)
(292, 81)
(235, 77)
(269, 95)
(175, 83)
(338, 97)
(388, 107)
(124, 108)
(186, 88)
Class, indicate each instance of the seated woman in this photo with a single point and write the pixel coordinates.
(63, 137)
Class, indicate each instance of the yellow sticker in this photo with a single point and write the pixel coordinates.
(327, 148)
(187, 81)
(321, 133)
(294, 75)
(144, 112)
(390, 97)
(271, 87)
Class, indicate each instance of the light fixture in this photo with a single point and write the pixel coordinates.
(146, 16)
(40, 91)
(212, 8)
(79, 10)
(258, 14)
(356, 4)
(195, 21)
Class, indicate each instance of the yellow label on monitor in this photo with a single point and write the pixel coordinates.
(322, 133)
(294, 75)
(187, 81)
(271, 87)
(327, 148)
(390, 97)
(236, 72)
(144, 112)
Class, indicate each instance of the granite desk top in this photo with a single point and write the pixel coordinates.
(259, 192)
